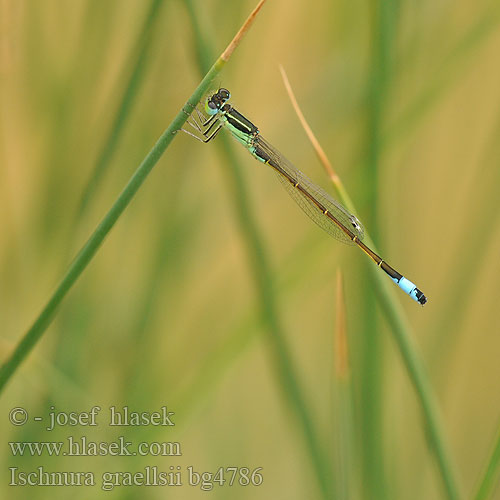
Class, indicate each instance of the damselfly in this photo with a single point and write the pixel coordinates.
(328, 213)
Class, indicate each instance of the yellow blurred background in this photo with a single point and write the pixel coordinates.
(404, 97)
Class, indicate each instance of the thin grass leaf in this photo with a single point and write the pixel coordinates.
(287, 372)
(342, 400)
(138, 62)
(489, 478)
(453, 63)
(92, 245)
(132, 77)
(404, 338)
(384, 24)
(475, 242)
(451, 67)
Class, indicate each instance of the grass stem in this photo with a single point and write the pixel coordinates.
(489, 478)
(404, 338)
(287, 372)
(92, 245)
(342, 400)
(139, 60)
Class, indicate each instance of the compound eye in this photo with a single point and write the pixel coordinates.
(225, 94)
(211, 108)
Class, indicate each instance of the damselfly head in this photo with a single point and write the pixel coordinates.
(216, 101)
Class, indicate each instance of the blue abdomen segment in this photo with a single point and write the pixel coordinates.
(411, 289)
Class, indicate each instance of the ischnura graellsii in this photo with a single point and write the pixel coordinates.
(325, 211)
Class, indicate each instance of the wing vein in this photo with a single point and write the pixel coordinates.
(295, 176)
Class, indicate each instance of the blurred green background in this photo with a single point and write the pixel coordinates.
(404, 97)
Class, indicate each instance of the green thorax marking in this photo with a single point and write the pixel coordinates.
(241, 128)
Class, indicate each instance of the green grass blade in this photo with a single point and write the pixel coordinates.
(400, 328)
(489, 478)
(384, 23)
(92, 245)
(475, 242)
(342, 401)
(138, 62)
(202, 49)
(412, 359)
(280, 351)
(452, 65)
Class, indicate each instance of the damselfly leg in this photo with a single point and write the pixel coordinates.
(207, 127)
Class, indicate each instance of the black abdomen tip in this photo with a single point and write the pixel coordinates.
(422, 299)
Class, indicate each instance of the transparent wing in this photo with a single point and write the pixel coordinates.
(311, 209)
